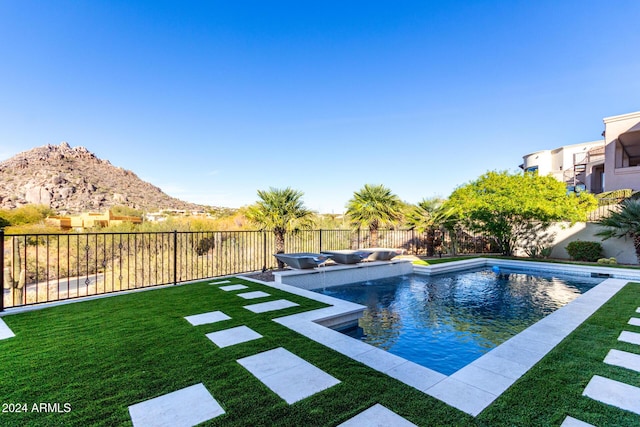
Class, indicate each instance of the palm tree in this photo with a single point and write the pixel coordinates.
(374, 206)
(281, 211)
(623, 223)
(425, 217)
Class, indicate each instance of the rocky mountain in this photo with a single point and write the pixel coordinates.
(72, 180)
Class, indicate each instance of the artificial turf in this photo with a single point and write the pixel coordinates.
(101, 356)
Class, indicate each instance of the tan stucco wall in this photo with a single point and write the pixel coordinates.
(621, 249)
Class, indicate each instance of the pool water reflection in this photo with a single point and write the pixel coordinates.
(445, 322)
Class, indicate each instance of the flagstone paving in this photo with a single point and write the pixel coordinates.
(254, 294)
(220, 282)
(233, 336)
(233, 287)
(377, 416)
(289, 376)
(205, 318)
(186, 407)
(263, 307)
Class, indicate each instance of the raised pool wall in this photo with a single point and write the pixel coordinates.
(324, 277)
(342, 274)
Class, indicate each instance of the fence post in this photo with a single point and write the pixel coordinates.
(413, 242)
(2, 269)
(320, 250)
(264, 251)
(175, 257)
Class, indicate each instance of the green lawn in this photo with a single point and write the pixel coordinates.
(103, 355)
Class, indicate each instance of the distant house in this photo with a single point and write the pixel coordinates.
(580, 166)
(91, 220)
(155, 216)
(605, 165)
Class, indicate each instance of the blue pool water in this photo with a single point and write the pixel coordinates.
(445, 322)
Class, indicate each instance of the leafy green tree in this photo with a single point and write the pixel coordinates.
(281, 211)
(426, 217)
(374, 206)
(625, 223)
(509, 206)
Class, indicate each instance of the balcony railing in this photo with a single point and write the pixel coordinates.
(605, 207)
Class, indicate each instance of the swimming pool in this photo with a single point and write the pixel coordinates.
(446, 321)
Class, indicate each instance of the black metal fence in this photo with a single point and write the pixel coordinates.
(38, 268)
(605, 207)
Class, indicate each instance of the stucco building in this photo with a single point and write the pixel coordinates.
(612, 163)
(91, 220)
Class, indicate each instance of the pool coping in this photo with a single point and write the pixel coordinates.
(475, 386)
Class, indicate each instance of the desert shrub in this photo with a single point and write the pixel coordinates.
(611, 260)
(121, 210)
(584, 251)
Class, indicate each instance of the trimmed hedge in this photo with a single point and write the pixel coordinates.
(584, 251)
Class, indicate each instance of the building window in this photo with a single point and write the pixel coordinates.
(531, 169)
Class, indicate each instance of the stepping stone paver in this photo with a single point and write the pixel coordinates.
(638, 310)
(253, 295)
(5, 331)
(205, 318)
(634, 321)
(289, 376)
(233, 336)
(270, 306)
(183, 408)
(614, 393)
(623, 359)
(233, 287)
(220, 282)
(574, 422)
(377, 415)
(630, 337)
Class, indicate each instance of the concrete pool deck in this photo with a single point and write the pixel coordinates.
(474, 387)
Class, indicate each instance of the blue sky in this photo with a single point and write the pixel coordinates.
(213, 100)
